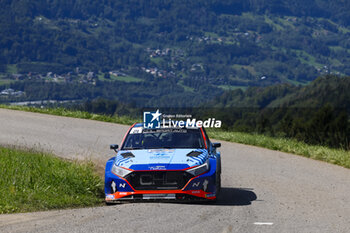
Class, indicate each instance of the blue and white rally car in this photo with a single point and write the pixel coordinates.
(164, 163)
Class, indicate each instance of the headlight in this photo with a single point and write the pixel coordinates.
(199, 169)
(119, 171)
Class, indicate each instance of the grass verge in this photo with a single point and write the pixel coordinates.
(32, 181)
(335, 156)
(76, 114)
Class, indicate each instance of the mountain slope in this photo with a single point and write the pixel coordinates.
(330, 90)
(236, 43)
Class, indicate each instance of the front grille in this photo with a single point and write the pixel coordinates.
(158, 180)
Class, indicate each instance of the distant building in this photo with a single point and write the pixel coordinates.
(117, 73)
(11, 92)
(17, 76)
(90, 75)
(8, 91)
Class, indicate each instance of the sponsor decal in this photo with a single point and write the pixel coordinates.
(160, 150)
(136, 130)
(160, 156)
(196, 192)
(159, 196)
(196, 184)
(165, 130)
(210, 195)
(122, 185)
(205, 185)
(159, 167)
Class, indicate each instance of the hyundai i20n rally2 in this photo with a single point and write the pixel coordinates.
(163, 164)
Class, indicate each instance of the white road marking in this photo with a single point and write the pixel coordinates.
(263, 223)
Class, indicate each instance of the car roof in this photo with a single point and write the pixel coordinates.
(138, 125)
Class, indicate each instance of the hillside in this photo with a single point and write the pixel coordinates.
(331, 90)
(316, 114)
(224, 45)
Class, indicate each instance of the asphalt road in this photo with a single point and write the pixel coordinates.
(263, 190)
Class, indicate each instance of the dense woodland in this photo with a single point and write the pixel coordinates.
(317, 113)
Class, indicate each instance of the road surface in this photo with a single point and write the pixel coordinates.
(263, 190)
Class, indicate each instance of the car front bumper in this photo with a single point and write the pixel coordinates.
(179, 195)
(201, 187)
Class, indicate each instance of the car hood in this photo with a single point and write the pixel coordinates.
(160, 159)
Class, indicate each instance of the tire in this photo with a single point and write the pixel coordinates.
(109, 203)
(218, 183)
(218, 178)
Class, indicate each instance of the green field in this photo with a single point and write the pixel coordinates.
(4, 81)
(128, 79)
(186, 88)
(12, 69)
(335, 156)
(32, 181)
(231, 88)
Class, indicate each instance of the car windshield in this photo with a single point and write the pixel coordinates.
(139, 138)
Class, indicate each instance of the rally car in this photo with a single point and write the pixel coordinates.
(163, 163)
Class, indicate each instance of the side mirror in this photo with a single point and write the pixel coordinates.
(113, 147)
(216, 144)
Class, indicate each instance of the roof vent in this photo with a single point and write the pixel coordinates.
(194, 153)
(127, 155)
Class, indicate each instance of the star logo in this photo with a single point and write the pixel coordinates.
(156, 115)
(151, 120)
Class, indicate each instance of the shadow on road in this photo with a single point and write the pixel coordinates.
(235, 197)
(227, 197)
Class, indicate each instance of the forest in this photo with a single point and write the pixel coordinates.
(317, 113)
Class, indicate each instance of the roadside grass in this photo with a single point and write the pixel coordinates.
(323, 153)
(330, 155)
(32, 181)
(75, 114)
